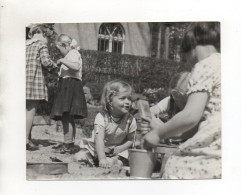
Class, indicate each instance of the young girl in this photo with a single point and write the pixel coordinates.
(200, 156)
(114, 127)
(37, 61)
(70, 101)
(171, 105)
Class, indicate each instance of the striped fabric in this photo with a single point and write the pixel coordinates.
(37, 55)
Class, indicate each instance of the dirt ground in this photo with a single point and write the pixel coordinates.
(47, 136)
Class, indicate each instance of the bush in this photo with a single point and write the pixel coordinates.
(100, 67)
(141, 72)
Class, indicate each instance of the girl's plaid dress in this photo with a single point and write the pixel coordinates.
(37, 55)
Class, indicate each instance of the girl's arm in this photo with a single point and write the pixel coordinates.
(123, 147)
(129, 138)
(100, 149)
(75, 66)
(181, 122)
(99, 142)
(161, 107)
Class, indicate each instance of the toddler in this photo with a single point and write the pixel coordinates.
(114, 127)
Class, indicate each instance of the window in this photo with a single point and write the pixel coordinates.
(111, 38)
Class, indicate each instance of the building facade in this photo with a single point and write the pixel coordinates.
(125, 38)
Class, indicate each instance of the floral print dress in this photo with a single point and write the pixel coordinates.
(200, 156)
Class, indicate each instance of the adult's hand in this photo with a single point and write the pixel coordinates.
(151, 140)
(150, 124)
(155, 111)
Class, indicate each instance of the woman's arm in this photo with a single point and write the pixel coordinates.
(75, 66)
(181, 122)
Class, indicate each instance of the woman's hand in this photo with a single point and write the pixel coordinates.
(104, 163)
(150, 140)
(155, 111)
(148, 124)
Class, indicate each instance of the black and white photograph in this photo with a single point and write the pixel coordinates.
(120, 97)
(123, 100)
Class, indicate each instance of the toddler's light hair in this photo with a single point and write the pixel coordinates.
(111, 89)
(66, 40)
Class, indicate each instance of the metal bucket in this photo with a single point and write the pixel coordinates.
(164, 151)
(142, 163)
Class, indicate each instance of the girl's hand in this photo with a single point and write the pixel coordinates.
(150, 140)
(59, 61)
(104, 163)
(55, 65)
(117, 150)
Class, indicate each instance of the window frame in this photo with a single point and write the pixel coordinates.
(106, 34)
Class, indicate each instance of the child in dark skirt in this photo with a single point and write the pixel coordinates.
(70, 101)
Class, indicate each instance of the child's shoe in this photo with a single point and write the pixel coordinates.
(31, 147)
(57, 146)
(67, 148)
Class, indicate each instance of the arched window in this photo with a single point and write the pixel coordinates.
(111, 38)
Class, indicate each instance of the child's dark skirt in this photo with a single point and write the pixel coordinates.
(70, 98)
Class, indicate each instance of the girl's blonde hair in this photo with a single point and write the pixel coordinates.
(111, 89)
(66, 40)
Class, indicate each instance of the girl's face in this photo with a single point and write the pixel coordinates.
(63, 48)
(121, 103)
(179, 97)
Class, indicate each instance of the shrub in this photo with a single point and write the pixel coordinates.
(141, 72)
(100, 67)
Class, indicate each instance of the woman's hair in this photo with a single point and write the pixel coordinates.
(66, 40)
(201, 33)
(111, 89)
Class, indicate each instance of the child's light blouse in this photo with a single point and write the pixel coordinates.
(115, 133)
(65, 72)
